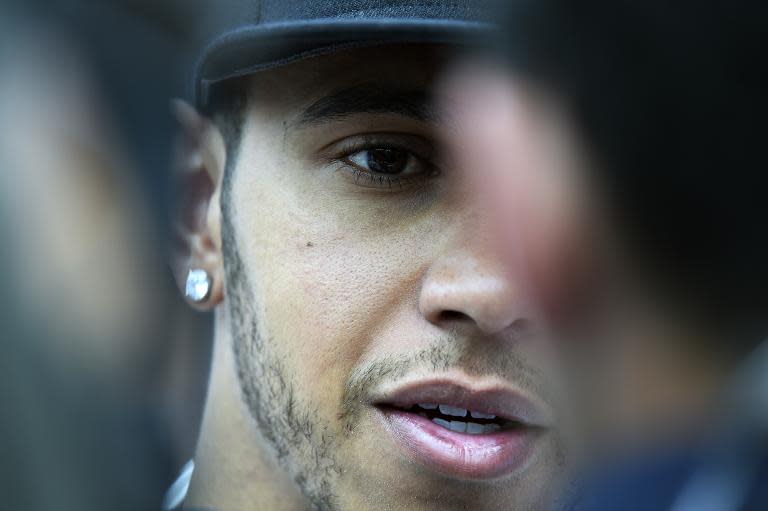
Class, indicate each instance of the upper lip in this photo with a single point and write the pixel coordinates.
(490, 399)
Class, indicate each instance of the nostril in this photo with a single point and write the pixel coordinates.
(519, 328)
(451, 315)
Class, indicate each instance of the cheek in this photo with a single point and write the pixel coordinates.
(330, 289)
(333, 268)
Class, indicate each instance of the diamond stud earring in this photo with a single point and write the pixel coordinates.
(198, 285)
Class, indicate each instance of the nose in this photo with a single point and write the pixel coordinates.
(471, 287)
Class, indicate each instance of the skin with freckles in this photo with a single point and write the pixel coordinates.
(348, 258)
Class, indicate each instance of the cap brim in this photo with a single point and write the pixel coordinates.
(250, 49)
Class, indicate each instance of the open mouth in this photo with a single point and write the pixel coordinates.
(461, 420)
(463, 432)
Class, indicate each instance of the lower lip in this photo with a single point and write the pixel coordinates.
(458, 454)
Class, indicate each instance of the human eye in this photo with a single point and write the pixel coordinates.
(386, 162)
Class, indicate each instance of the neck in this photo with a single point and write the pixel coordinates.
(234, 469)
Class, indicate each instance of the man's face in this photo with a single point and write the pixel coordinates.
(390, 354)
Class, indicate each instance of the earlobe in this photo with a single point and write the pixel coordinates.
(196, 250)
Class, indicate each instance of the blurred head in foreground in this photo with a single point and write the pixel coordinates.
(373, 347)
(662, 209)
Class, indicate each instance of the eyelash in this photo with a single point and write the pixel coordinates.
(382, 181)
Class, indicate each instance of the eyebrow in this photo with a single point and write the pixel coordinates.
(368, 98)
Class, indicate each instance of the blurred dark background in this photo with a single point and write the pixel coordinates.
(103, 367)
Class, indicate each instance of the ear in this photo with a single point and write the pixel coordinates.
(198, 169)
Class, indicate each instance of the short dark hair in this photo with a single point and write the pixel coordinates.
(671, 98)
(227, 109)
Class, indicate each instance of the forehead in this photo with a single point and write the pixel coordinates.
(400, 68)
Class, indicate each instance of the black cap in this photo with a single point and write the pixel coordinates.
(249, 36)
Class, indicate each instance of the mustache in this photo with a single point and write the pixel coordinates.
(480, 359)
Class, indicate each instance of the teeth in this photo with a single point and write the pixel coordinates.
(442, 422)
(428, 406)
(472, 428)
(475, 429)
(479, 415)
(450, 410)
